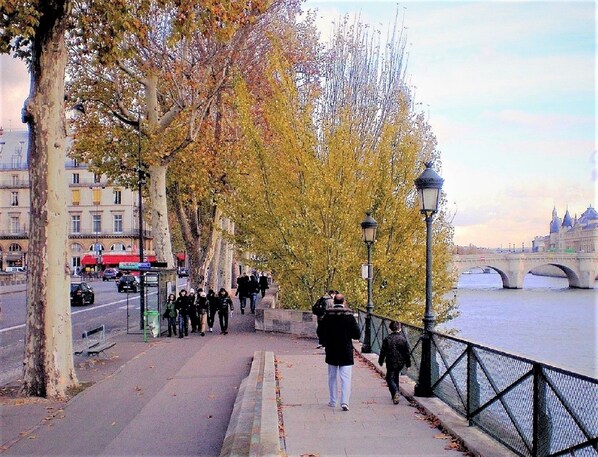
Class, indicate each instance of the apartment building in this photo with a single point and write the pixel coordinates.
(103, 218)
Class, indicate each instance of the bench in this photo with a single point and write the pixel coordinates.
(95, 341)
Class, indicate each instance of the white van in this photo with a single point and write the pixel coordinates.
(15, 269)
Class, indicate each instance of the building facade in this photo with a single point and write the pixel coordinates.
(103, 217)
(577, 234)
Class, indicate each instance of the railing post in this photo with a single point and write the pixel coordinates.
(473, 386)
(542, 426)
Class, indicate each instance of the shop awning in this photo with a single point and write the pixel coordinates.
(180, 255)
(114, 259)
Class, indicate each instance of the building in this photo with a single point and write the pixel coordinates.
(570, 234)
(103, 217)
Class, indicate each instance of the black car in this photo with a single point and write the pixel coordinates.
(183, 272)
(127, 283)
(81, 294)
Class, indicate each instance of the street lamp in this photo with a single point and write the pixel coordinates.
(368, 235)
(140, 183)
(428, 186)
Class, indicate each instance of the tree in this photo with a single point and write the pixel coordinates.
(36, 31)
(323, 156)
(154, 67)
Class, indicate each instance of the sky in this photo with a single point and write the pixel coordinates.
(509, 89)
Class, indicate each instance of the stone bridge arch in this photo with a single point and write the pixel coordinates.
(580, 269)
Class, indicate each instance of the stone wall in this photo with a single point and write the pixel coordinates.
(294, 322)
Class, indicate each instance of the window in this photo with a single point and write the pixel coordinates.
(97, 178)
(15, 247)
(75, 163)
(117, 196)
(118, 223)
(75, 178)
(15, 180)
(97, 223)
(15, 226)
(15, 161)
(76, 247)
(96, 195)
(14, 199)
(117, 247)
(76, 224)
(76, 196)
(75, 262)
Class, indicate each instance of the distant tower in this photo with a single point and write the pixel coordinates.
(555, 223)
(567, 222)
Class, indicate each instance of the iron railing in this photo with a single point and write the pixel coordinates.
(532, 408)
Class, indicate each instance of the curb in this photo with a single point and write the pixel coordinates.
(253, 426)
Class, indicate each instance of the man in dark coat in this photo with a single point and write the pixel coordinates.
(395, 351)
(336, 331)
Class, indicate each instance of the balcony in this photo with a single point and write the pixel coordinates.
(14, 235)
(14, 184)
(91, 235)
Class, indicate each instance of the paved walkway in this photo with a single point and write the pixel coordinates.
(175, 396)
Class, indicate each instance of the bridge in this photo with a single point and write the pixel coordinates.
(580, 268)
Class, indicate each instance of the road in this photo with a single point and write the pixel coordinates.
(117, 311)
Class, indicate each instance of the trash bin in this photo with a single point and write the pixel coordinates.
(152, 323)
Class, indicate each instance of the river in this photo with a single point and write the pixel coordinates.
(545, 321)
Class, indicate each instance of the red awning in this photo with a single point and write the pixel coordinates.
(114, 259)
(88, 260)
(180, 256)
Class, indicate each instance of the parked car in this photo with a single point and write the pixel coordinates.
(109, 274)
(81, 294)
(183, 272)
(15, 269)
(128, 283)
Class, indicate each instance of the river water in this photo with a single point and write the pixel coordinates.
(545, 321)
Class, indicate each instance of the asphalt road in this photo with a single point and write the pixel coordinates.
(117, 311)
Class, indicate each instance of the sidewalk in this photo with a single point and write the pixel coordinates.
(175, 396)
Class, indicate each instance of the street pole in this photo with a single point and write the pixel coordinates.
(368, 235)
(424, 384)
(140, 182)
(367, 340)
(428, 186)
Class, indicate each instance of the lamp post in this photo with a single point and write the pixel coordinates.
(428, 186)
(368, 235)
(140, 182)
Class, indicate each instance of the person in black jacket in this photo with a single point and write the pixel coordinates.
(182, 307)
(224, 303)
(213, 303)
(395, 351)
(336, 331)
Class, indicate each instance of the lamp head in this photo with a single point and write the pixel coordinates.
(368, 229)
(428, 186)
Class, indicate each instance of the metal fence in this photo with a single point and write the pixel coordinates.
(532, 408)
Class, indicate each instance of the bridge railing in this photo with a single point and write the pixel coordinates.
(532, 408)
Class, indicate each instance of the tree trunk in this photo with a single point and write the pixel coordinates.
(227, 279)
(215, 264)
(48, 369)
(159, 213)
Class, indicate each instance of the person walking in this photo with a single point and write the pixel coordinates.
(193, 311)
(395, 351)
(319, 308)
(213, 303)
(182, 307)
(170, 314)
(336, 331)
(203, 310)
(242, 291)
(253, 289)
(224, 303)
(264, 284)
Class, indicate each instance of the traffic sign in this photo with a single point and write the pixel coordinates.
(134, 265)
